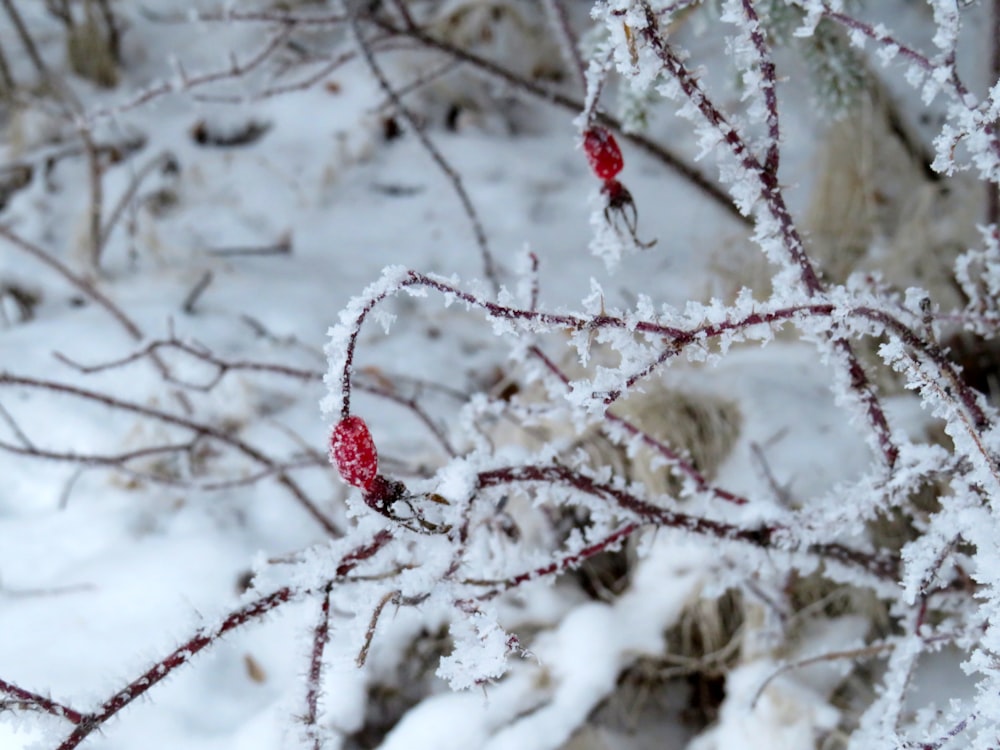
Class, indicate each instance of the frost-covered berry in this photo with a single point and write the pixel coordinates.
(382, 493)
(352, 451)
(602, 152)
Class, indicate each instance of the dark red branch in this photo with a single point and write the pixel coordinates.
(678, 338)
(490, 270)
(179, 657)
(321, 636)
(772, 196)
(206, 637)
(770, 188)
(960, 90)
(198, 428)
(773, 155)
(562, 564)
(774, 537)
(676, 460)
(34, 701)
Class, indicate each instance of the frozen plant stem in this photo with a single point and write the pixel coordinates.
(674, 459)
(676, 339)
(178, 658)
(87, 724)
(198, 428)
(489, 266)
(26, 700)
(881, 568)
(562, 25)
(954, 83)
(321, 636)
(27, 41)
(766, 173)
(490, 69)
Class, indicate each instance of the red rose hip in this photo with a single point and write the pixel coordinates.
(602, 152)
(352, 451)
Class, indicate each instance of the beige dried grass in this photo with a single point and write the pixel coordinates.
(89, 52)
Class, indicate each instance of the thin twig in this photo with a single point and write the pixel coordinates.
(93, 459)
(80, 283)
(198, 428)
(87, 724)
(568, 43)
(321, 636)
(304, 83)
(184, 82)
(28, 700)
(162, 160)
(854, 653)
(393, 597)
(779, 491)
(573, 105)
(486, 256)
(424, 79)
(15, 428)
(192, 297)
(27, 41)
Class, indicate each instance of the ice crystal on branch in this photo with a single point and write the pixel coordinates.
(752, 495)
(623, 353)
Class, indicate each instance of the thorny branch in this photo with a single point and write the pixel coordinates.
(87, 724)
(674, 459)
(26, 700)
(676, 339)
(646, 513)
(961, 93)
(321, 635)
(772, 196)
(927, 366)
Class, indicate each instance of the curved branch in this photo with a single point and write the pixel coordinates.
(767, 537)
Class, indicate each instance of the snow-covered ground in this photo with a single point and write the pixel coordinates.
(165, 411)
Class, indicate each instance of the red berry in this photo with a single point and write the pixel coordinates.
(602, 152)
(352, 451)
